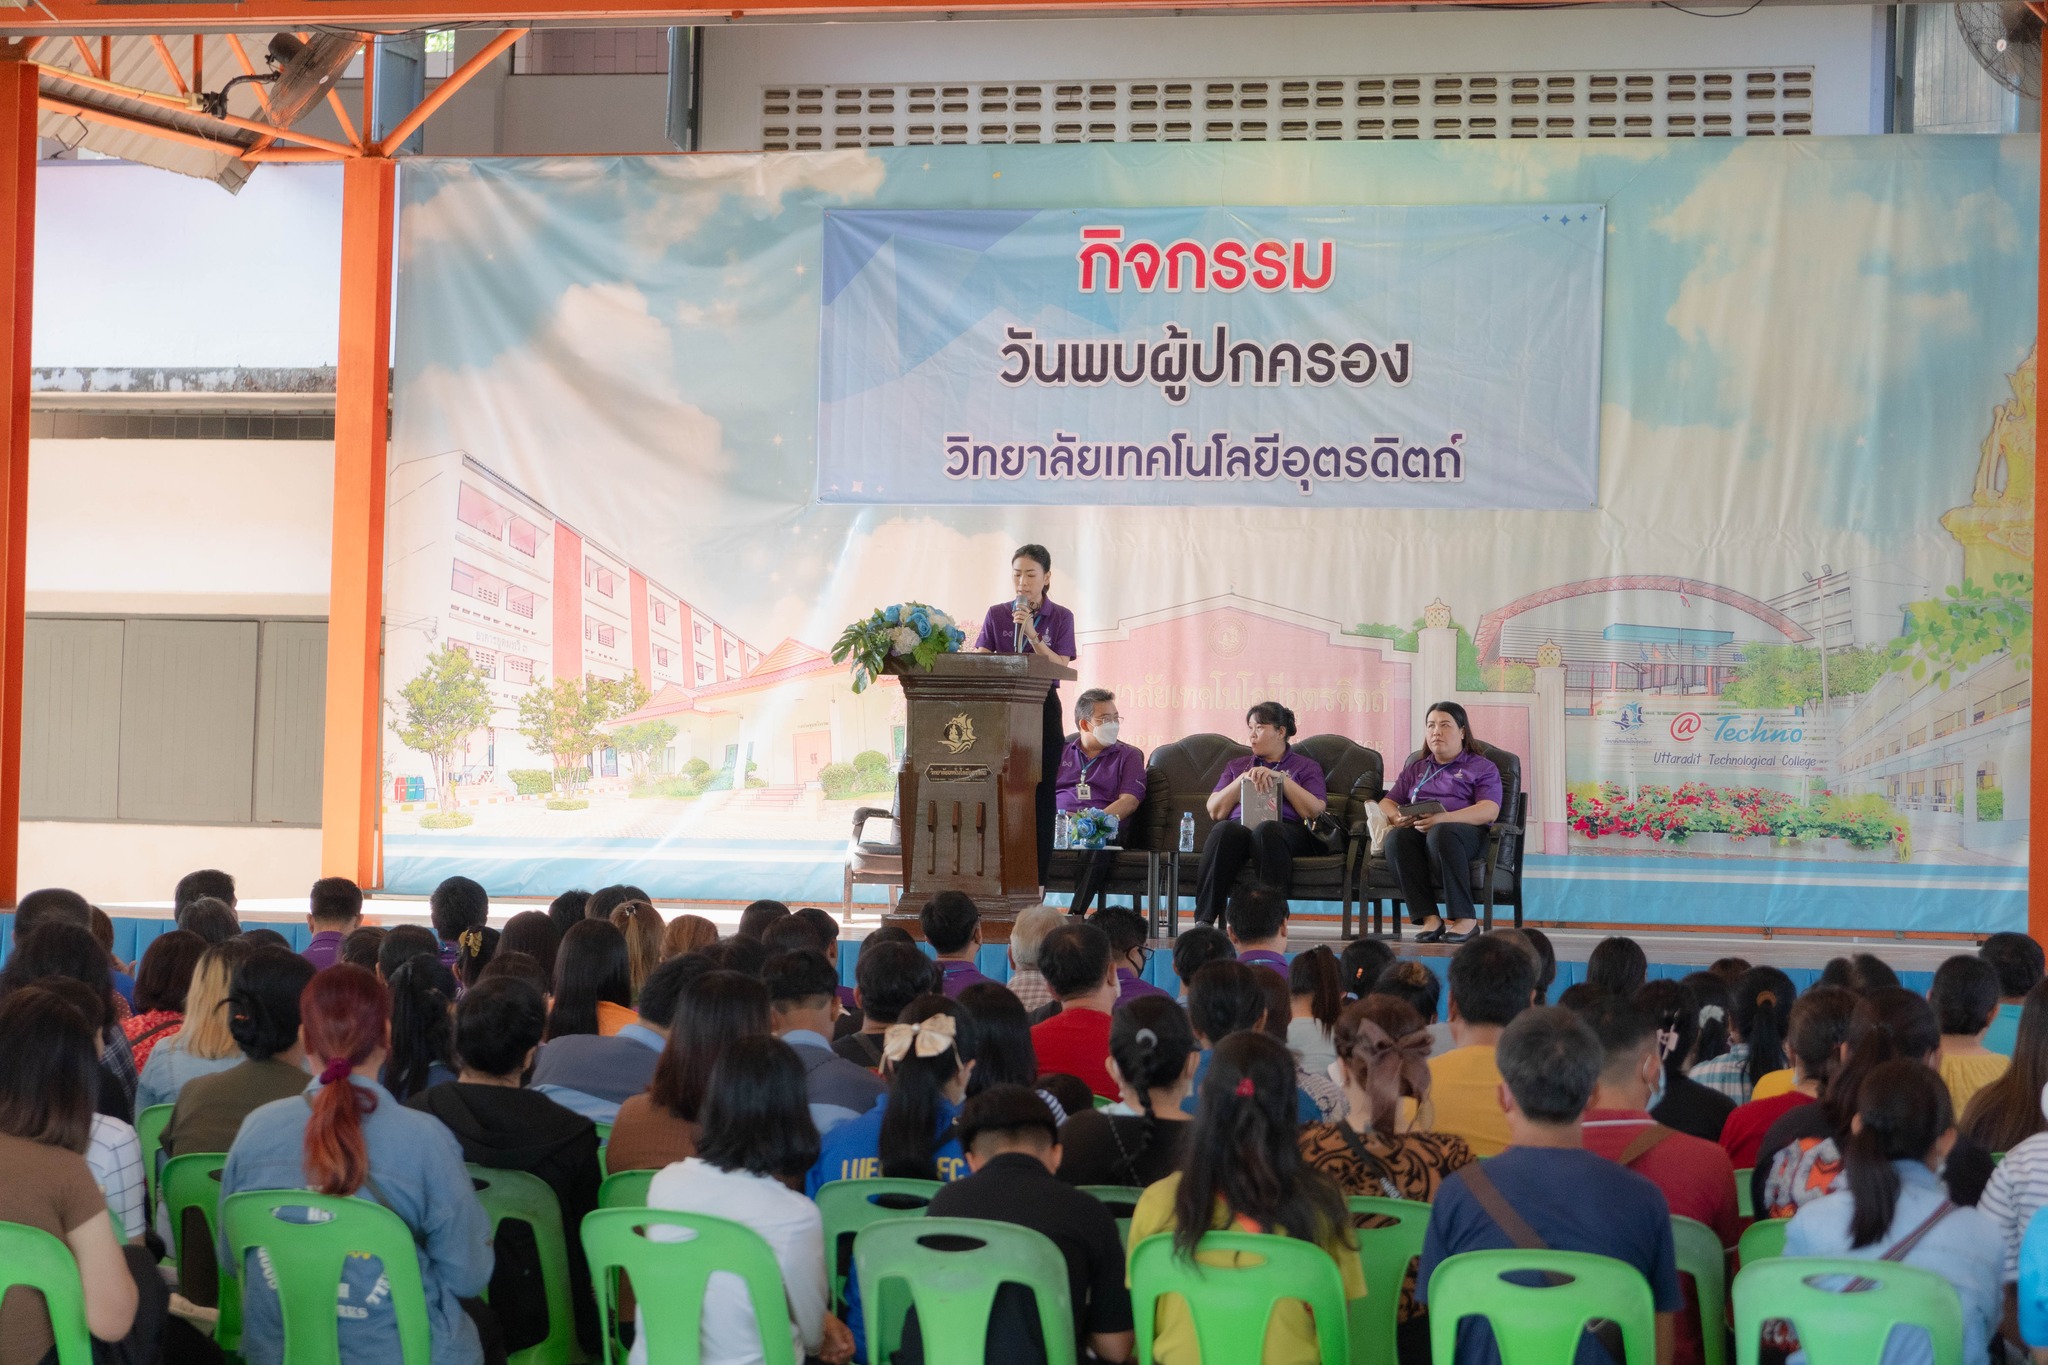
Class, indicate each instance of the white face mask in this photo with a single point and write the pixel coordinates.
(1105, 733)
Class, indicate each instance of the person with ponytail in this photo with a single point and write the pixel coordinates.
(346, 1135)
(1316, 995)
(263, 1016)
(460, 910)
(927, 1058)
(1820, 1030)
(1243, 1172)
(1895, 1208)
(660, 1127)
(1140, 1139)
(1686, 1106)
(1361, 966)
(422, 1028)
(1760, 1011)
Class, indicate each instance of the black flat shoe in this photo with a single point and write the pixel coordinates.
(1474, 932)
(1435, 935)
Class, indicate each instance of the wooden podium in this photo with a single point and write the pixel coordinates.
(969, 781)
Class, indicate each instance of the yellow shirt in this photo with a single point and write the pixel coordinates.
(1465, 1084)
(1774, 1083)
(1290, 1334)
(1966, 1075)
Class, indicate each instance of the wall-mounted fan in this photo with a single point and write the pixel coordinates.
(2005, 38)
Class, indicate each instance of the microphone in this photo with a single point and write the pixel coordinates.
(1017, 627)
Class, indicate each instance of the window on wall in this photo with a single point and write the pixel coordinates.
(173, 720)
(660, 613)
(700, 635)
(661, 656)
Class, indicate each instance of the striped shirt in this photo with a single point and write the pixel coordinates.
(2018, 1189)
(1727, 1073)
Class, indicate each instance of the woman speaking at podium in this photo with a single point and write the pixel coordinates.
(1032, 623)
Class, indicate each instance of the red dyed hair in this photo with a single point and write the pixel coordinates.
(344, 1011)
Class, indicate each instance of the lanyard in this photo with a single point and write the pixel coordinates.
(1432, 775)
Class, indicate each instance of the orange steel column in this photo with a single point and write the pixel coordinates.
(355, 604)
(2037, 776)
(17, 292)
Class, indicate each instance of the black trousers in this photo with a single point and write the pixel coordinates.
(1092, 867)
(1270, 850)
(1442, 856)
(1055, 742)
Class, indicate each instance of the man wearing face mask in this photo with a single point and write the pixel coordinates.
(1098, 772)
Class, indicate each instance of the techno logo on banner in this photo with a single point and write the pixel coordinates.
(1442, 357)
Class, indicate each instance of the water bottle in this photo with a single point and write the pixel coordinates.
(1063, 830)
(1187, 831)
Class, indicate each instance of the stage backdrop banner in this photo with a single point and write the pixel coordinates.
(1315, 357)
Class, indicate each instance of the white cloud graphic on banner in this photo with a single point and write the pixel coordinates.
(687, 191)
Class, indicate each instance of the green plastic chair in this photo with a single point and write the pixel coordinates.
(1846, 1328)
(847, 1206)
(625, 1190)
(528, 1199)
(1121, 1201)
(192, 1183)
(1762, 1240)
(949, 1269)
(306, 1261)
(1230, 1304)
(1744, 1205)
(604, 1149)
(1540, 1324)
(669, 1278)
(1385, 1253)
(34, 1259)
(149, 1126)
(1701, 1255)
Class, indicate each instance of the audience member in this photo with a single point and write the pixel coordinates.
(1244, 1171)
(64, 949)
(660, 1126)
(1520, 938)
(1364, 960)
(602, 901)
(1316, 997)
(532, 932)
(102, 931)
(196, 886)
(1895, 1208)
(211, 918)
(2007, 1112)
(113, 1152)
(802, 1000)
(1127, 932)
(263, 1019)
(519, 967)
(1819, 1036)
(334, 910)
(1491, 982)
(790, 935)
(350, 1133)
(422, 1041)
(1325, 1093)
(1729, 970)
(51, 904)
(952, 925)
(1580, 995)
(1617, 967)
(48, 1074)
(204, 1044)
(1965, 1000)
(1198, 946)
(1383, 1048)
(593, 982)
(460, 910)
(1142, 1138)
(757, 1138)
(2018, 961)
(1418, 986)
(1077, 965)
(887, 977)
(1257, 921)
(1861, 973)
(755, 919)
(747, 956)
(997, 1039)
(161, 985)
(402, 943)
(1227, 998)
(568, 910)
(593, 1075)
(1545, 1184)
(265, 938)
(1686, 1106)
(640, 924)
(1710, 991)
(360, 948)
(1760, 1010)
(1546, 962)
(1026, 982)
(503, 1126)
(1013, 1149)
(909, 1134)
(687, 934)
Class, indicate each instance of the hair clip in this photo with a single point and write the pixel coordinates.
(1244, 1087)
(1146, 1036)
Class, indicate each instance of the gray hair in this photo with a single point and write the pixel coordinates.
(1551, 1060)
(1029, 931)
(1085, 704)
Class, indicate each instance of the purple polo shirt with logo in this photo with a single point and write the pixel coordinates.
(1297, 765)
(1264, 957)
(323, 950)
(1131, 986)
(1054, 622)
(959, 976)
(1465, 781)
(1118, 770)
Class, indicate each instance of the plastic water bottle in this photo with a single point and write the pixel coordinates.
(1063, 830)
(1187, 831)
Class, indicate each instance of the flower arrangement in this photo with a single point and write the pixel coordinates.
(1670, 814)
(1091, 828)
(909, 631)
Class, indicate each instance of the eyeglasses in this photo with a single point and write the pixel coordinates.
(1144, 958)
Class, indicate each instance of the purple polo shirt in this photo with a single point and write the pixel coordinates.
(1117, 771)
(323, 950)
(1054, 622)
(959, 976)
(1465, 781)
(1294, 763)
(1131, 986)
(1264, 957)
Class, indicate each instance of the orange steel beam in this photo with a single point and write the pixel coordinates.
(355, 601)
(92, 63)
(291, 154)
(57, 105)
(369, 89)
(2037, 747)
(172, 102)
(445, 91)
(163, 54)
(198, 61)
(348, 125)
(18, 82)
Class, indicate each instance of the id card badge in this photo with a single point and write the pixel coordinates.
(1081, 791)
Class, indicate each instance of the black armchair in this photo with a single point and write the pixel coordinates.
(1135, 872)
(1496, 872)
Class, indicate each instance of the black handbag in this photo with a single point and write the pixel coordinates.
(1330, 832)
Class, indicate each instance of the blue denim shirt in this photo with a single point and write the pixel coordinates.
(1965, 1248)
(418, 1166)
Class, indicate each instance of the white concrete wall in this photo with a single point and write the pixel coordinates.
(114, 861)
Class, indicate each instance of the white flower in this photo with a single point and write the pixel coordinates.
(902, 640)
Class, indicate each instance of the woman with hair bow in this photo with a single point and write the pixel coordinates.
(1383, 1047)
